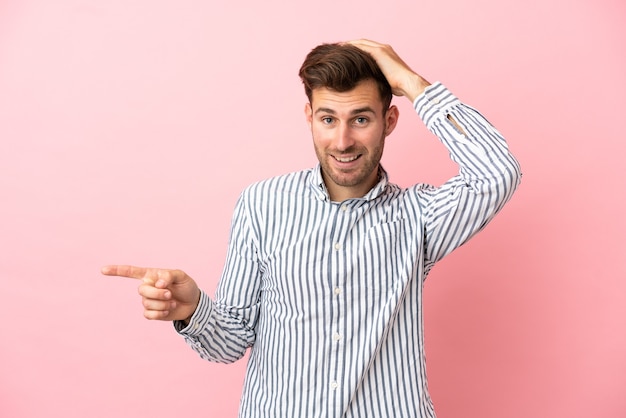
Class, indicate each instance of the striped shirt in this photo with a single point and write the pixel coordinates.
(328, 295)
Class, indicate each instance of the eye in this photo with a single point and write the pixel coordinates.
(327, 120)
(361, 120)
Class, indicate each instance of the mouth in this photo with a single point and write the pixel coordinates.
(347, 159)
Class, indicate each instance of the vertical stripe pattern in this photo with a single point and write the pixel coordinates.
(328, 296)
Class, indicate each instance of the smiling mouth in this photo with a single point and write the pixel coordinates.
(346, 159)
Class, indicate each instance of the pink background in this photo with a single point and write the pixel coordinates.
(129, 127)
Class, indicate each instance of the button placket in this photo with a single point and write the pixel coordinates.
(344, 219)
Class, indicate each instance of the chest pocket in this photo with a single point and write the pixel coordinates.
(381, 254)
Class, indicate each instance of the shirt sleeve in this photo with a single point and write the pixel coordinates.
(488, 173)
(221, 330)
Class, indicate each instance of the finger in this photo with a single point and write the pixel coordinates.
(384, 55)
(164, 278)
(147, 290)
(364, 42)
(367, 45)
(131, 272)
(155, 315)
(158, 305)
(157, 309)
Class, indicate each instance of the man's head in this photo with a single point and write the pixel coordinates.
(350, 116)
(340, 67)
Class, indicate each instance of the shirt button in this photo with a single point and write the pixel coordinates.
(344, 207)
(336, 337)
(337, 246)
(337, 290)
(333, 385)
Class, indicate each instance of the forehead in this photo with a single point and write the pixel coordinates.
(365, 94)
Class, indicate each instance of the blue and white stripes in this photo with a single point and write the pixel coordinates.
(329, 295)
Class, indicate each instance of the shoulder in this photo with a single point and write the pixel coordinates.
(418, 190)
(411, 199)
(291, 183)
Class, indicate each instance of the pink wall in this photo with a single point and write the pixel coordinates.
(128, 128)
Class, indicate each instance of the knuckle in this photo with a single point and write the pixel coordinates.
(166, 275)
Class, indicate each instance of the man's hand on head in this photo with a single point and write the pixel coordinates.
(403, 80)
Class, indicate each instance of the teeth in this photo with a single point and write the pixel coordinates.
(346, 159)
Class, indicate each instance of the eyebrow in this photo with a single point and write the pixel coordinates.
(365, 109)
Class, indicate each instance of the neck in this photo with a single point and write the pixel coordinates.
(339, 193)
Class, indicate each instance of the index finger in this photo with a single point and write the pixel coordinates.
(131, 272)
(367, 45)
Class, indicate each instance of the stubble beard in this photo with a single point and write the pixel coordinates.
(351, 178)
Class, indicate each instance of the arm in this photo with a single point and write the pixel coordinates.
(488, 173)
(222, 329)
(219, 330)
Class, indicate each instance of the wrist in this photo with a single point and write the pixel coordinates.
(194, 307)
(414, 87)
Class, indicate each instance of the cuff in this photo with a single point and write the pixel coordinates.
(199, 320)
(435, 101)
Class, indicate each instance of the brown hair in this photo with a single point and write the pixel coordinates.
(341, 67)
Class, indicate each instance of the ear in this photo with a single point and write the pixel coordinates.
(391, 119)
(308, 112)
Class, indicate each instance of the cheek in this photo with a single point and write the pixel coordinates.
(321, 137)
(371, 138)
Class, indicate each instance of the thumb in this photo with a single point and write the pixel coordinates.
(164, 279)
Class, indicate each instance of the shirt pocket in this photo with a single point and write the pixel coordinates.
(381, 255)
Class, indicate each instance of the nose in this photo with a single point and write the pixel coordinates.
(344, 138)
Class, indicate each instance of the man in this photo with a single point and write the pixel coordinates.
(325, 267)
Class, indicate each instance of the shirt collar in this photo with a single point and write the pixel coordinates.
(320, 191)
